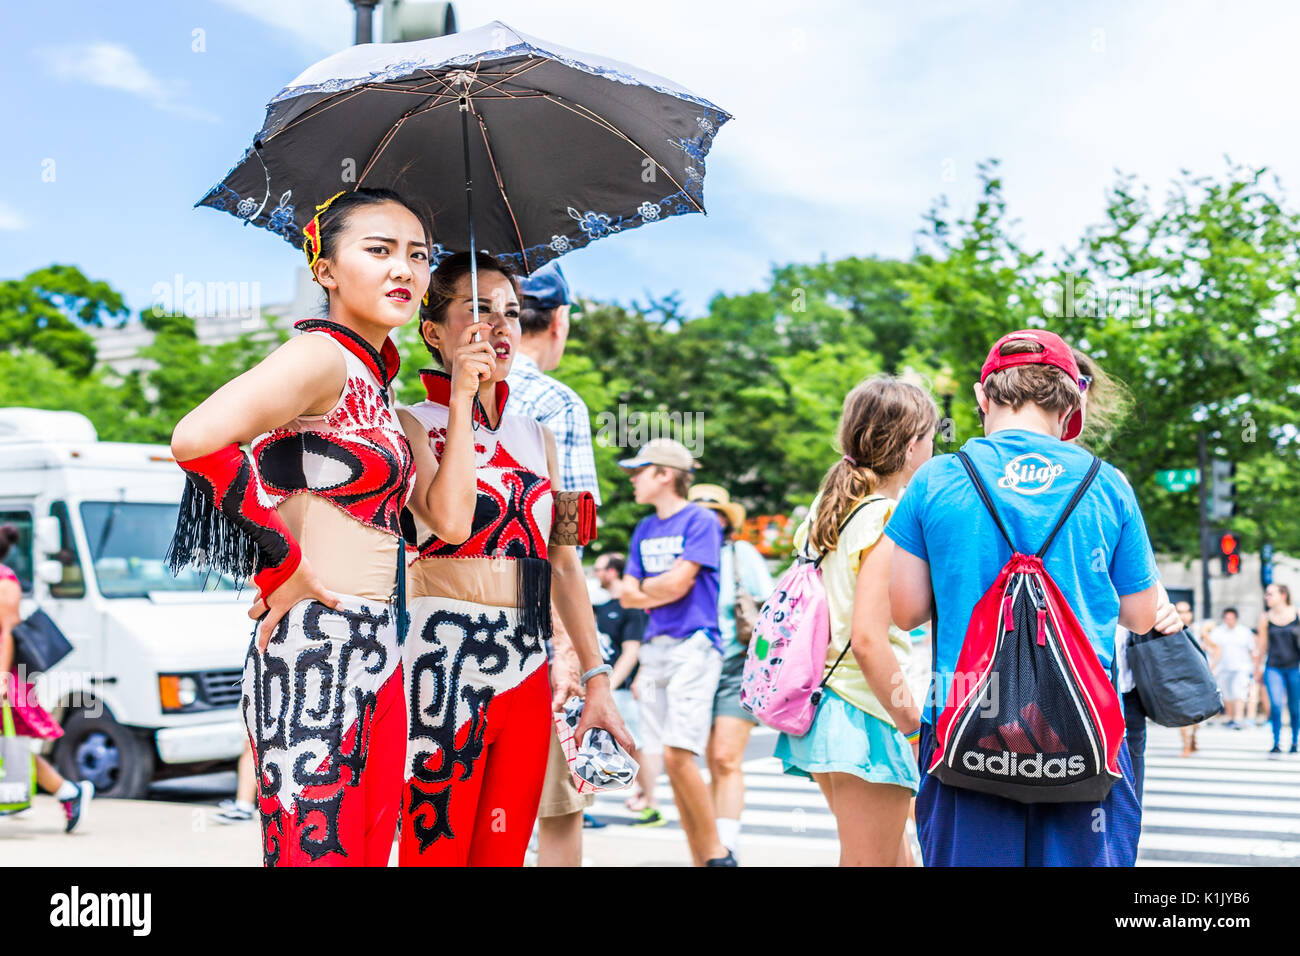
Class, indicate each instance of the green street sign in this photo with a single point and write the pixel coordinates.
(1178, 479)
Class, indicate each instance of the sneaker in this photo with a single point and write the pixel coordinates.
(74, 808)
(728, 860)
(1276, 749)
(234, 814)
(591, 823)
(228, 804)
(649, 817)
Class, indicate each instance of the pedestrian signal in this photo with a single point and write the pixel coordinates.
(1229, 557)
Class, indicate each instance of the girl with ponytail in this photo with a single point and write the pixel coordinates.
(861, 748)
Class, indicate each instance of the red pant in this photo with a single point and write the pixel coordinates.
(350, 822)
(486, 818)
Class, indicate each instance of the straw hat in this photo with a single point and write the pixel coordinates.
(715, 498)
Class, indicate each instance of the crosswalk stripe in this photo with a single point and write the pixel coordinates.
(1233, 804)
(1229, 803)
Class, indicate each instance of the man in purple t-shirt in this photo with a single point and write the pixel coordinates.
(672, 572)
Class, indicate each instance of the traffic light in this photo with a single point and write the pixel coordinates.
(1222, 490)
(405, 20)
(1265, 565)
(1229, 556)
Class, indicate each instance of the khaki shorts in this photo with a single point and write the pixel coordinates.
(677, 679)
(559, 795)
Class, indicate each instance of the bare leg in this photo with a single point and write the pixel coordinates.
(693, 805)
(246, 787)
(559, 840)
(905, 851)
(652, 765)
(49, 779)
(870, 818)
(726, 779)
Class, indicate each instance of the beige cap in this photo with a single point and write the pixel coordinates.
(716, 498)
(662, 451)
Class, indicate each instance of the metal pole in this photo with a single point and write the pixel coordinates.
(1202, 460)
(365, 13)
(469, 206)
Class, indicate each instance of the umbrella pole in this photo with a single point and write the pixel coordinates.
(469, 206)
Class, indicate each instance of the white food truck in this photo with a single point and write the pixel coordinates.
(151, 688)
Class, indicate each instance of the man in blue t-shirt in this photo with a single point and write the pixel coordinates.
(672, 571)
(949, 550)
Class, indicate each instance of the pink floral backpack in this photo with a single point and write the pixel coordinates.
(785, 668)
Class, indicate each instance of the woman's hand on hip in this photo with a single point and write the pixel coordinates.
(303, 585)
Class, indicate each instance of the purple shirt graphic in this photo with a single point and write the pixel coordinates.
(695, 535)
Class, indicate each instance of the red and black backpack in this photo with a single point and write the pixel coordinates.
(1031, 714)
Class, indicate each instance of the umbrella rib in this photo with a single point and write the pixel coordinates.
(338, 98)
(317, 109)
(383, 143)
(501, 188)
(599, 120)
(447, 99)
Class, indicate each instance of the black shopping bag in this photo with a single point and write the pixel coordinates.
(1173, 678)
(39, 644)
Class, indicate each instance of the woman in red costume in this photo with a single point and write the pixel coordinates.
(477, 688)
(315, 511)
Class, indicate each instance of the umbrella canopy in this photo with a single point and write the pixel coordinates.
(565, 147)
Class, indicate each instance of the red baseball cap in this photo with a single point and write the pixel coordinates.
(1055, 353)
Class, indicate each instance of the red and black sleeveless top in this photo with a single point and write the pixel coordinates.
(514, 508)
(355, 455)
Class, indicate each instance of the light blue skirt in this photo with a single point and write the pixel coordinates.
(844, 739)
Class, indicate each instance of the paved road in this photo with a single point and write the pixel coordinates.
(1230, 804)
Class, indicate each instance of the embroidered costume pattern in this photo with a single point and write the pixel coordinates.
(478, 694)
(323, 704)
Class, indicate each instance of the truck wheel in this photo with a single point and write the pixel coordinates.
(112, 757)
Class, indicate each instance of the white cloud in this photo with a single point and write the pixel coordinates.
(10, 219)
(114, 67)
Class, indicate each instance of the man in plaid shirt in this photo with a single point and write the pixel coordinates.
(544, 304)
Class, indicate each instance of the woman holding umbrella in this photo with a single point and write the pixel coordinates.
(315, 510)
(481, 589)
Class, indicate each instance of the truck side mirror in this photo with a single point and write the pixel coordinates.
(51, 572)
(47, 535)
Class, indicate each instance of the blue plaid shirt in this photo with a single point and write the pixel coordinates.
(558, 407)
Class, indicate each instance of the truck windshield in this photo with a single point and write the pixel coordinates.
(127, 543)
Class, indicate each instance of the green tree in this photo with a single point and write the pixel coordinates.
(46, 311)
(185, 371)
(1193, 304)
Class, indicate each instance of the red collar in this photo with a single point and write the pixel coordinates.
(383, 364)
(437, 385)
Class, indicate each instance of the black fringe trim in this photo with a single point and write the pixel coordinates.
(533, 596)
(206, 539)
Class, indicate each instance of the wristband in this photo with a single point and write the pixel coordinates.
(224, 524)
(595, 671)
(914, 736)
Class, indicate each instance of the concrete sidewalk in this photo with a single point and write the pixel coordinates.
(162, 833)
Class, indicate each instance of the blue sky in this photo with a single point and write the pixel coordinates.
(851, 118)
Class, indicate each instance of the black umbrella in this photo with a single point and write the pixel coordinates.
(568, 147)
